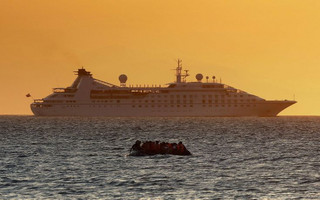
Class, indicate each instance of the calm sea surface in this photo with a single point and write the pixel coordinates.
(86, 158)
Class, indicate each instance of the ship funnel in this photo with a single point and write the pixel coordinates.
(123, 79)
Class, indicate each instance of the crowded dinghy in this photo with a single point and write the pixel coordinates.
(153, 148)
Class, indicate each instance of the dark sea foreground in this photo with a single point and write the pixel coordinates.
(86, 158)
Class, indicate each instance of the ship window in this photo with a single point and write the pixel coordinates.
(216, 96)
(178, 105)
(248, 105)
(118, 101)
(203, 96)
(146, 101)
(178, 96)
(133, 106)
(139, 106)
(209, 101)
(203, 101)
(184, 96)
(191, 105)
(203, 105)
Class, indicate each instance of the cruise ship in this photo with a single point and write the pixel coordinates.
(207, 97)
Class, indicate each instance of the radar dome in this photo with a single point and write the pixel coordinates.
(199, 77)
(123, 78)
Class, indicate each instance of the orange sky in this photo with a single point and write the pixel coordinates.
(269, 48)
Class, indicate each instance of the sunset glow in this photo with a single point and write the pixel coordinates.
(267, 48)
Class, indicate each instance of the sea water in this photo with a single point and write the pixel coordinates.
(87, 158)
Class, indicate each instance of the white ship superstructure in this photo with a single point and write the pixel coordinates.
(88, 96)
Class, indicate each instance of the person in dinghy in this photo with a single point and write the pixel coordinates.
(153, 148)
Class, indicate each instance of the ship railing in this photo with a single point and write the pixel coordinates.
(145, 86)
(58, 90)
(38, 100)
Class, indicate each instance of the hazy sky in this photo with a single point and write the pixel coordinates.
(269, 48)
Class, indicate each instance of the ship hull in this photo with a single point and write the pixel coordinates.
(261, 109)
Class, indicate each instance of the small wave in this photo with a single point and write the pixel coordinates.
(310, 181)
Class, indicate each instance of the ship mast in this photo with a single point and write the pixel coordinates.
(179, 74)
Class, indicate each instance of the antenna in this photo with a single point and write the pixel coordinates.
(178, 70)
(179, 75)
(185, 75)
